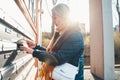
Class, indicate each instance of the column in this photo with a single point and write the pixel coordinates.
(101, 40)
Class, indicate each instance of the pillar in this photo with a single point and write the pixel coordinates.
(101, 40)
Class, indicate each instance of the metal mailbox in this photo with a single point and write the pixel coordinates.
(25, 71)
(9, 46)
(28, 67)
(0, 76)
(5, 32)
(8, 71)
(0, 46)
(22, 61)
(2, 31)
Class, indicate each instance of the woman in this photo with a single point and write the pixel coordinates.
(66, 45)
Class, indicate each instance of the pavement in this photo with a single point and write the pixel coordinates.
(89, 76)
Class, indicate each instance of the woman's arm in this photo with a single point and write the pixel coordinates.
(34, 45)
(46, 57)
(72, 48)
(39, 47)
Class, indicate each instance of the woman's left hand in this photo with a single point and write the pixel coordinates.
(27, 49)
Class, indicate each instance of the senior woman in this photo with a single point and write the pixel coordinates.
(66, 45)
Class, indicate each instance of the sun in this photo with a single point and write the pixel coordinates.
(79, 12)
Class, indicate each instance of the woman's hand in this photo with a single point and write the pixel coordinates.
(27, 49)
(31, 44)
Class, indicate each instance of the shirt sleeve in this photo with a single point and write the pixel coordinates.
(70, 49)
(46, 57)
(39, 47)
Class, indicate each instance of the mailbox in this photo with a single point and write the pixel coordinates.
(0, 76)
(9, 53)
(2, 31)
(28, 67)
(5, 32)
(8, 71)
(13, 61)
(0, 46)
(22, 61)
(25, 71)
(9, 46)
(2, 14)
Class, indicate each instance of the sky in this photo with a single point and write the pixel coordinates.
(115, 14)
(79, 11)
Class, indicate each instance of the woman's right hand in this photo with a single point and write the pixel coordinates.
(31, 44)
(27, 49)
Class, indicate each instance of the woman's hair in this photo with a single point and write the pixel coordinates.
(61, 10)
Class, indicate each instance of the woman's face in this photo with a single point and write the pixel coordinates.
(57, 20)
